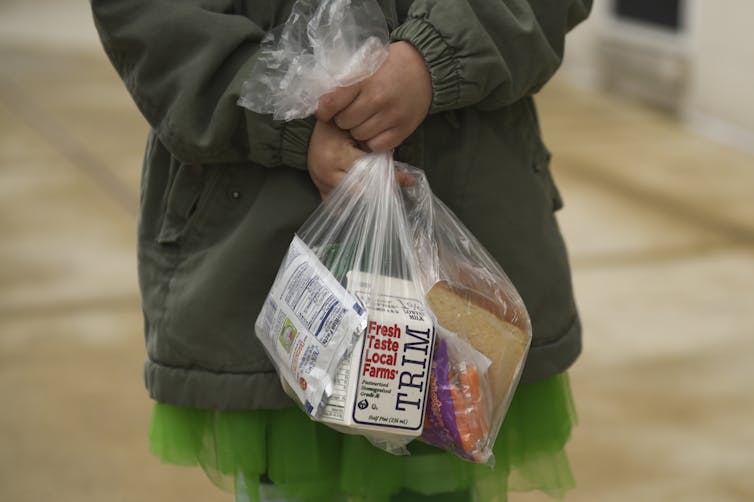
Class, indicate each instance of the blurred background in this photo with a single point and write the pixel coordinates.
(651, 123)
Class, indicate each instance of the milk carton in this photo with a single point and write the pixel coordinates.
(381, 387)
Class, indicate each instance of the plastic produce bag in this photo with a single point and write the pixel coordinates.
(484, 331)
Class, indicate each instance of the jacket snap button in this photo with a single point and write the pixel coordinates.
(235, 194)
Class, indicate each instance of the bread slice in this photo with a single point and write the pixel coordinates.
(483, 323)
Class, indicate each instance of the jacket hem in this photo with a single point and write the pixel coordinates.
(200, 388)
(554, 357)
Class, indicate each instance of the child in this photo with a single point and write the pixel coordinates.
(224, 190)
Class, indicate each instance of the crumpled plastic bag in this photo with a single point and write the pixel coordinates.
(322, 45)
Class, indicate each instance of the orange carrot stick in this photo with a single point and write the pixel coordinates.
(470, 384)
(462, 422)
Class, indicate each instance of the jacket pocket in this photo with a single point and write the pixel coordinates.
(541, 164)
(186, 199)
(541, 156)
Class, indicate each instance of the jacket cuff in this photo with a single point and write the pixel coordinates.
(274, 143)
(441, 61)
(294, 144)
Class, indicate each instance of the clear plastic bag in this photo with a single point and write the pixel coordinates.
(481, 317)
(345, 322)
(323, 45)
(350, 320)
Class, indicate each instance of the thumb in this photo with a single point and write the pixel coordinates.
(333, 102)
(353, 154)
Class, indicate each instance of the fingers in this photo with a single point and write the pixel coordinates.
(384, 109)
(326, 181)
(333, 102)
(354, 154)
(385, 141)
(372, 127)
(331, 159)
(362, 109)
(405, 179)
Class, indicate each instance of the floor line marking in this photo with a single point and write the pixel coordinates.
(53, 131)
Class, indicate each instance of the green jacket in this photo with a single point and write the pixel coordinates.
(223, 189)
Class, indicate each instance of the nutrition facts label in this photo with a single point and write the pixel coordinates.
(336, 405)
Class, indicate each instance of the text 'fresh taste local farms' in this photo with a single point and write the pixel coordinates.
(381, 353)
(383, 384)
(381, 358)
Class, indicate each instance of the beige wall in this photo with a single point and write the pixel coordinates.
(722, 83)
(708, 77)
(579, 64)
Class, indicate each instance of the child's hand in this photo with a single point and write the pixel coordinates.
(386, 108)
(332, 152)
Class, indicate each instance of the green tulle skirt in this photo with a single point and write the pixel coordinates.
(306, 461)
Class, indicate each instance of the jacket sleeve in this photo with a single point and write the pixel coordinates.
(489, 53)
(184, 63)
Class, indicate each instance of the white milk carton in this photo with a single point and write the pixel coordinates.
(382, 385)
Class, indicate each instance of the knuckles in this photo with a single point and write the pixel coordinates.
(358, 135)
(384, 142)
(378, 99)
(341, 121)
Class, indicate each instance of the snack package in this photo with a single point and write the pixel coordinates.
(471, 298)
(458, 415)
